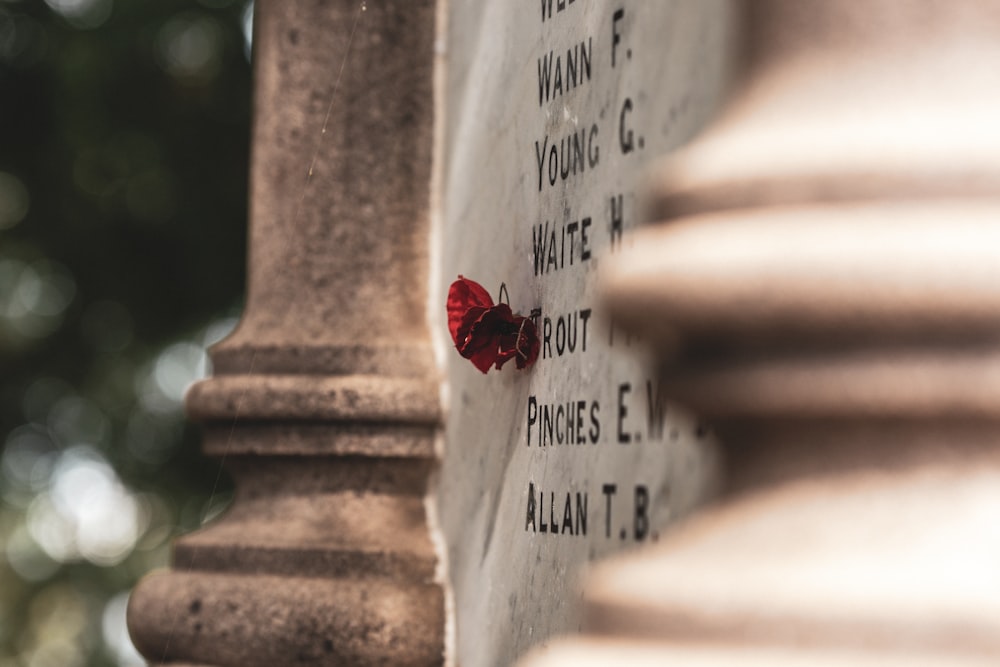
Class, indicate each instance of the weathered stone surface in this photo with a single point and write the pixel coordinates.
(350, 517)
(823, 287)
(350, 398)
(401, 358)
(551, 117)
(314, 437)
(341, 171)
(211, 617)
(325, 406)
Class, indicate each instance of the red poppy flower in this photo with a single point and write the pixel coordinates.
(488, 334)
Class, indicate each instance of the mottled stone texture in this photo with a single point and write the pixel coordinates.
(324, 407)
(337, 280)
(824, 286)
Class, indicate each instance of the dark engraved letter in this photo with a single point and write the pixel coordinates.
(623, 389)
(532, 418)
(595, 422)
(641, 512)
(567, 522)
(617, 220)
(544, 78)
(608, 490)
(540, 157)
(616, 36)
(625, 136)
(529, 522)
(581, 513)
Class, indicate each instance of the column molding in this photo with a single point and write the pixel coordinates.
(324, 405)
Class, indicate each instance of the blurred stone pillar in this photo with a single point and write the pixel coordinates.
(324, 405)
(825, 287)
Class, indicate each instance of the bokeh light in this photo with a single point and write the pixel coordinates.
(189, 46)
(33, 297)
(14, 198)
(248, 29)
(124, 130)
(23, 40)
(83, 13)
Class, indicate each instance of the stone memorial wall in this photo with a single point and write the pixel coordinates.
(551, 112)
(395, 505)
(394, 510)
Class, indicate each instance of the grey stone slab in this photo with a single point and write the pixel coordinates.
(549, 121)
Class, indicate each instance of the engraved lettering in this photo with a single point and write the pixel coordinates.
(617, 224)
(616, 36)
(609, 491)
(565, 333)
(641, 527)
(561, 5)
(572, 155)
(529, 522)
(558, 75)
(624, 437)
(625, 136)
(562, 423)
(555, 246)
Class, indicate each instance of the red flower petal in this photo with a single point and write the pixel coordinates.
(487, 334)
(464, 333)
(519, 342)
(463, 295)
(484, 345)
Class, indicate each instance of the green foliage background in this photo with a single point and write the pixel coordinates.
(123, 159)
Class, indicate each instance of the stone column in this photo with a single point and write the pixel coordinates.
(825, 287)
(324, 405)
